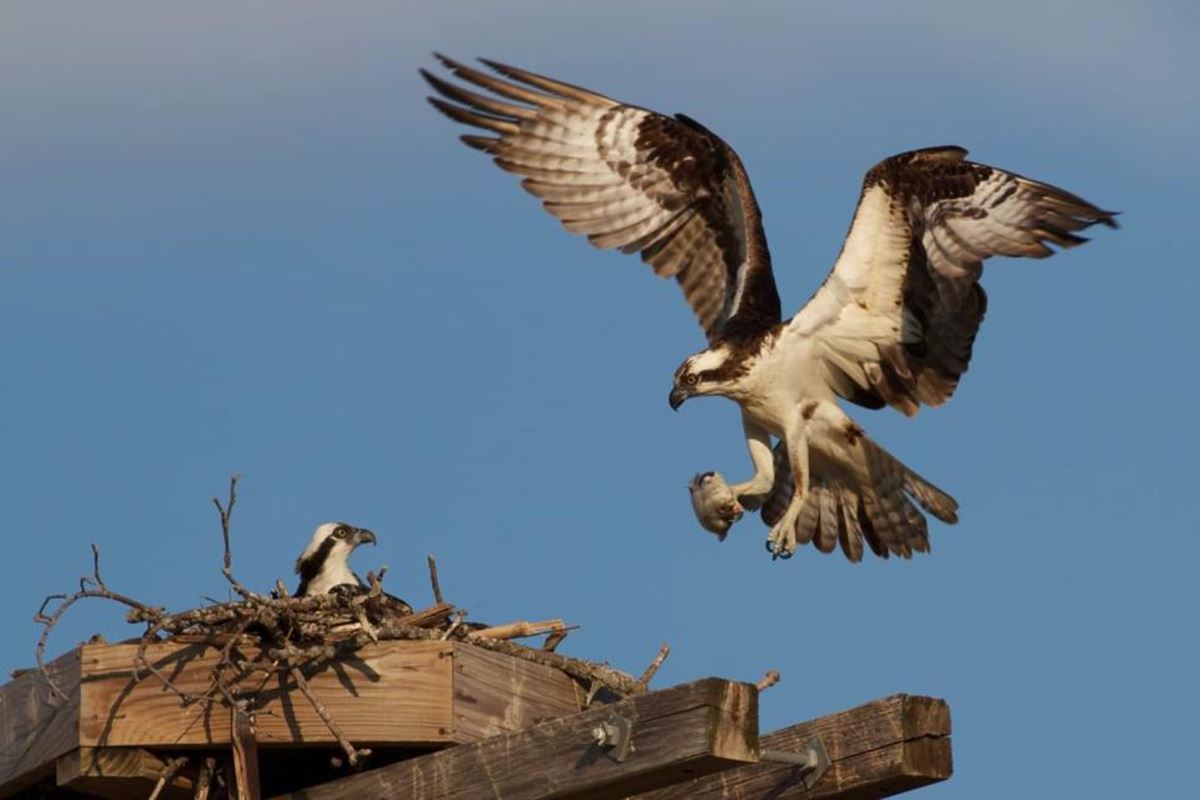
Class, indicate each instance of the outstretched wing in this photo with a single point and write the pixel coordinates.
(895, 320)
(631, 179)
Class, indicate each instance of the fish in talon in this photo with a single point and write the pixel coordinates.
(715, 504)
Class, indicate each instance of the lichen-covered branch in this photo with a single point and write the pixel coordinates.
(226, 513)
(644, 681)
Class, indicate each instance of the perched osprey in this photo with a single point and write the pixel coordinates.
(893, 324)
(323, 566)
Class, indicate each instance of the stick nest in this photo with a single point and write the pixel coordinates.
(275, 633)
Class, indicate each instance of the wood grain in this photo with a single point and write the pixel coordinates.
(117, 773)
(876, 750)
(247, 782)
(694, 729)
(37, 728)
(391, 692)
(495, 694)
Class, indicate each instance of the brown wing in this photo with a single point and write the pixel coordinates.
(896, 319)
(630, 179)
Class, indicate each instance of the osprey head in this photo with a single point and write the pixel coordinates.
(704, 373)
(323, 564)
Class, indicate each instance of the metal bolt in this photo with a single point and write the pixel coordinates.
(806, 759)
(605, 734)
(812, 761)
(615, 734)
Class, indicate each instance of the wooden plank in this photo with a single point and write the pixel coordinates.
(37, 728)
(393, 692)
(495, 694)
(247, 783)
(117, 773)
(694, 729)
(876, 750)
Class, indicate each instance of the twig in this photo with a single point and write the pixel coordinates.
(593, 687)
(768, 680)
(166, 774)
(226, 512)
(204, 779)
(663, 652)
(49, 620)
(520, 630)
(360, 615)
(554, 640)
(375, 580)
(586, 672)
(429, 617)
(353, 754)
(454, 626)
(433, 581)
(96, 567)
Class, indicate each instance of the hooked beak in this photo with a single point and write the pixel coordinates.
(678, 395)
(362, 536)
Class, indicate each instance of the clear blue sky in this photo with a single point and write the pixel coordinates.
(235, 238)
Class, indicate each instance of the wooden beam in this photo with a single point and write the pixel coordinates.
(37, 727)
(117, 773)
(495, 694)
(394, 693)
(695, 729)
(245, 757)
(876, 750)
(385, 692)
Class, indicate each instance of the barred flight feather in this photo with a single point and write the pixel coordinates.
(894, 323)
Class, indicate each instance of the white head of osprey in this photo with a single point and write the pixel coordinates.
(892, 325)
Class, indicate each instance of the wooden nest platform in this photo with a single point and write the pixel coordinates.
(442, 719)
(352, 695)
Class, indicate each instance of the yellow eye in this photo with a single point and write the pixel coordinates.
(340, 533)
(691, 379)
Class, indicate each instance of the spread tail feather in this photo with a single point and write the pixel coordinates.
(858, 492)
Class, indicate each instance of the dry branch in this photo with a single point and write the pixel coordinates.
(205, 779)
(554, 640)
(88, 587)
(522, 629)
(767, 681)
(648, 675)
(353, 754)
(168, 772)
(226, 513)
(433, 580)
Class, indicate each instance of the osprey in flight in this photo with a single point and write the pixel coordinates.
(324, 566)
(892, 325)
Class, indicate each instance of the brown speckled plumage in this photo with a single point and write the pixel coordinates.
(893, 324)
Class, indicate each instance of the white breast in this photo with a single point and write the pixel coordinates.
(332, 575)
(785, 374)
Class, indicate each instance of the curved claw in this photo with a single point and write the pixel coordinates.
(778, 553)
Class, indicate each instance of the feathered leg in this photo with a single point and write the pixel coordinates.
(751, 493)
(858, 494)
(781, 541)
